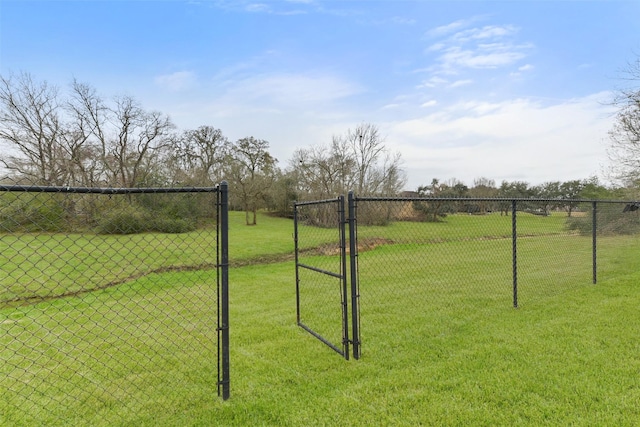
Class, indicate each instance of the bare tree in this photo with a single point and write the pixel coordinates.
(31, 126)
(127, 138)
(88, 114)
(625, 135)
(137, 137)
(356, 161)
(367, 146)
(324, 171)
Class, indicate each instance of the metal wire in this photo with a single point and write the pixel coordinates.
(107, 296)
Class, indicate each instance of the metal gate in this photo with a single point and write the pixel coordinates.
(321, 271)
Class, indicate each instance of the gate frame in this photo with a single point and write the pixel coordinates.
(340, 202)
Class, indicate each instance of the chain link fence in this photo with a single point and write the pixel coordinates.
(418, 257)
(113, 302)
(420, 268)
(321, 282)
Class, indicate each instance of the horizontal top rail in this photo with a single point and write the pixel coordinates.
(486, 199)
(317, 202)
(99, 190)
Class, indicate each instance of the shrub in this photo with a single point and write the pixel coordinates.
(42, 212)
(125, 220)
(610, 220)
(131, 219)
(172, 225)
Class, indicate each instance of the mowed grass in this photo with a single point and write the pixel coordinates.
(442, 344)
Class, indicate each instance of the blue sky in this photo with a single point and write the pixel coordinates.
(508, 90)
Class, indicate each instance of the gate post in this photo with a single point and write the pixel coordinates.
(343, 273)
(353, 262)
(594, 244)
(514, 236)
(224, 291)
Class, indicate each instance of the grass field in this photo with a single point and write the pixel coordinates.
(442, 344)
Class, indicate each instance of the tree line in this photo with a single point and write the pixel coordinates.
(78, 137)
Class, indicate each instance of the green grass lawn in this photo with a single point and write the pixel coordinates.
(442, 344)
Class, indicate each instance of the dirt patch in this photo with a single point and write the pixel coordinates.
(371, 243)
(329, 249)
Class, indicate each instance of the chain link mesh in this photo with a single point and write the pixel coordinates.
(108, 304)
(320, 271)
(420, 262)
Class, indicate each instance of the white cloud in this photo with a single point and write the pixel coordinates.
(290, 89)
(452, 27)
(176, 81)
(433, 82)
(459, 83)
(431, 103)
(517, 139)
(460, 49)
(257, 7)
(482, 56)
(486, 32)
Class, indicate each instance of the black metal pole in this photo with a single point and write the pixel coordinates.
(295, 246)
(343, 273)
(594, 231)
(514, 234)
(224, 306)
(353, 261)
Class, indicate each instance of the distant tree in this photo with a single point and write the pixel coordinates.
(199, 155)
(31, 125)
(483, 188)
(283, 194)
(323, 172)
(550, 192)
(251, 172)
(624, 151)
(87, 114)
(514, 190)
(432, 209)
(357, 160)
(569, 192)
(128, 137)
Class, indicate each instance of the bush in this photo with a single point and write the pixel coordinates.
(173, 225)
(130, 220)
(611, 220)
(126, 220)
(42, 212)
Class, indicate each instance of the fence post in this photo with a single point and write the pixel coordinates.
(343, 273)
(514, 234)
(353, 260)
(295, 247)
(594, 231)
(224, 305)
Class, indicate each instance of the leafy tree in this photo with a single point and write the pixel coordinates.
(513, 190)
(251, 171)
(283, 194)
(550, 191)
(569, 192)
(432, 210)
(483, 188)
